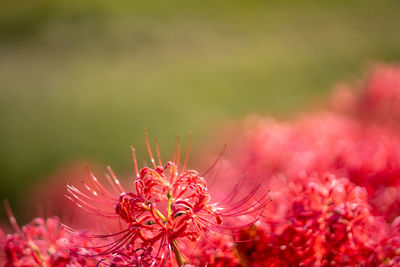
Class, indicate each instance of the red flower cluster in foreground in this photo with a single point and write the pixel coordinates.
(334, 178)
(327, 222)
(43, 243)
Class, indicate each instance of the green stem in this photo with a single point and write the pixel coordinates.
(157, 212)
(178, 256)
(169, 204)
(161, 215)
(36, 250)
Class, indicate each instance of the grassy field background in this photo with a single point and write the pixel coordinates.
(81, 79)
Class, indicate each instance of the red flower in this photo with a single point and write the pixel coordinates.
(369, 155)
(168, 206)
(374, 99)
(326, 222)
(380, 93)
(388, 251)
(44, 243)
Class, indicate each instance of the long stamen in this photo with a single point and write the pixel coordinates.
(11, 217)
(158, 152)
(115, 179)
(149, 149)
(178, 151)
(133, 151)
(112, 184)
(187, 151)
(95, 182)
(216, 161)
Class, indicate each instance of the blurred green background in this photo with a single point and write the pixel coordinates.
(81, 79)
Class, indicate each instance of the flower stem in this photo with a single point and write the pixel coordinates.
(169, 204)
(178, 256)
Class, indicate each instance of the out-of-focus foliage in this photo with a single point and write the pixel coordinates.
(80, 79)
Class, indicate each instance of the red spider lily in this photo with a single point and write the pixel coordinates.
(328, 222)
(374, 99)
(368, 154)
(169, 205)
(382, 94)
(361, 144)
(43, 243)
(388, 251)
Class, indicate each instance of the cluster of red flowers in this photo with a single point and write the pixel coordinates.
(43, 243)
(334, 177)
